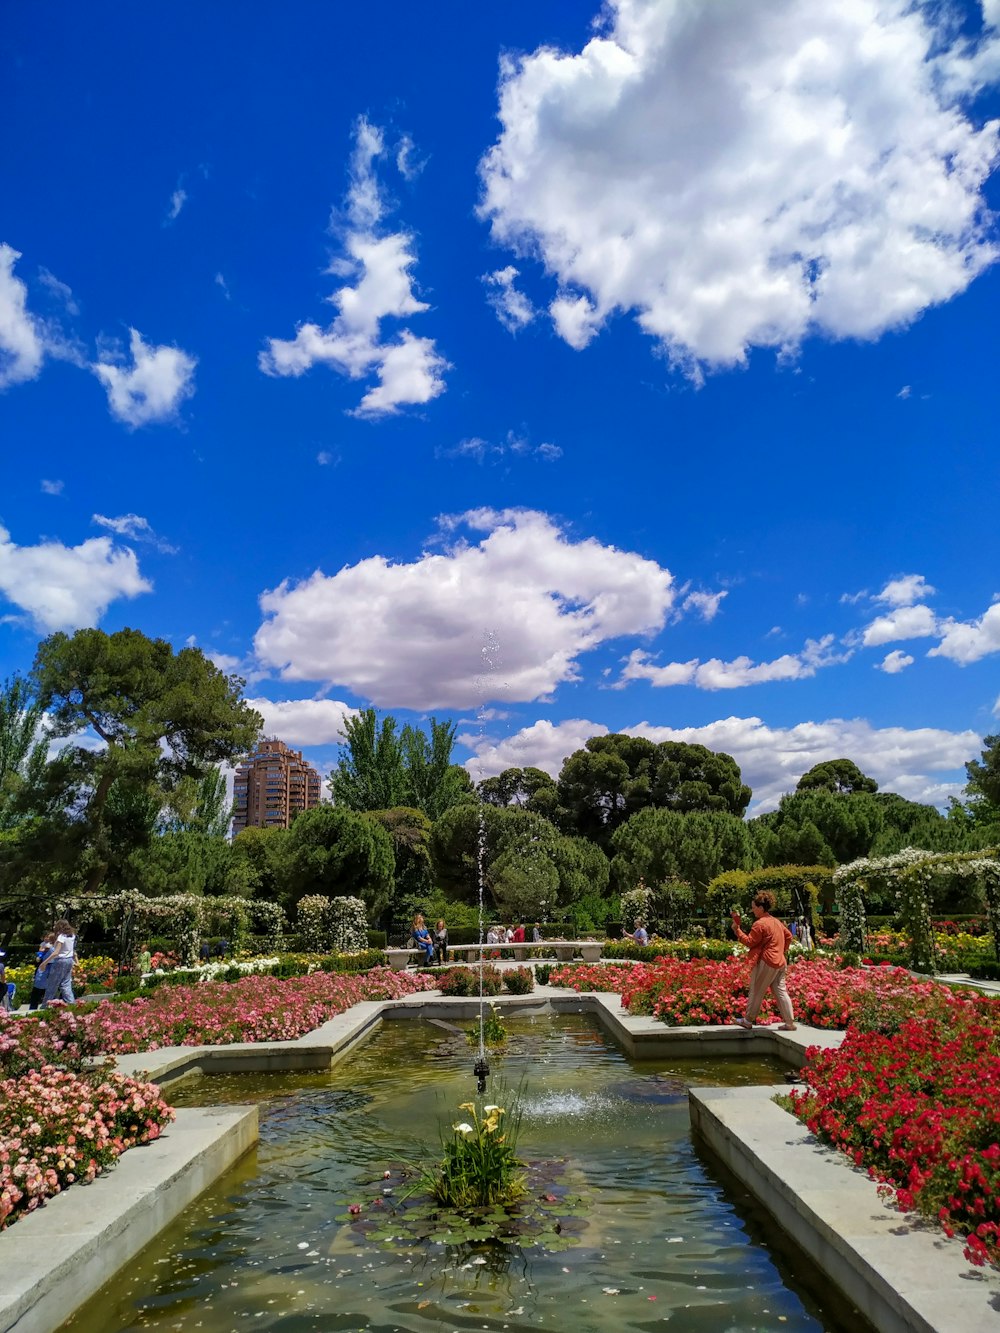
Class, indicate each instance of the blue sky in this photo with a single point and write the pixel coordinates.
(551, 372)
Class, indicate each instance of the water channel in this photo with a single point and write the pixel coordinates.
(663, 1241)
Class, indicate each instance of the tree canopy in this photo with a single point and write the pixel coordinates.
(381, 768)
(837, 775)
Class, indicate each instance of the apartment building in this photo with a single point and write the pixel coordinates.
(272, 786)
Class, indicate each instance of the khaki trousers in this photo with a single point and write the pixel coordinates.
(762, 980)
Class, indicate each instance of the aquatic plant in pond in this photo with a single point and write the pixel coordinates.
(480, 1164)
(489, 1030)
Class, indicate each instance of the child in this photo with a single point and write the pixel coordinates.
(45, 948)
(441, 942)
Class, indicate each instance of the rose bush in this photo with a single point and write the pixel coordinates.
(58, 1127)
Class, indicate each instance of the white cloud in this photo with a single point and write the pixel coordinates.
(325, 458)
(304, 721)
(895, 662)
(135, 527)
(772, 759)
(905, 590)
(908, 622)
(967, 641)
(22, 340)
(159, 380)
(67, 587)
(904, 392)
(60, 290)
(512, 308)
(514, 443)
(409, 370)
(745, 174)
(177, 201)
(409, 635)
(221, 283)
(706, 604)
(52, 487)
(741, 671)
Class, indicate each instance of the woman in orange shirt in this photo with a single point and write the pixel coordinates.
(768, 940)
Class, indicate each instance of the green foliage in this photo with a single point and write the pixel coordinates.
(796, 890)
(480, 1166)
(163, 717)
(465, 980)
(661, 845)
(410, 831)
(337, 853)
(492, 1030)
(381, 769)
(837, 775)
(21, 752)
(519, 980)
(258, 864)
(646, 953)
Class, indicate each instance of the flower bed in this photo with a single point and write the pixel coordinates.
(211, 1013)
(57, 1128)
(704, 992)
(918, 1105)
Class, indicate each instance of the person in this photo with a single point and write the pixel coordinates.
(640, 934)
(508, 935)
(536, 933)
(58, 967)
(805, 933)
(793, 928)
(4, 996)
(768, 941)
(519, 934)
(146, 959)
(422, 938)
(45, 948)
(441, 942)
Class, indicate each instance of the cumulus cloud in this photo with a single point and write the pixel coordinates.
(135, 527)
(741, 671)
(895, 662)
(908, 622)
(408, 635)
(52, 487)
(512, 308)
(905, 590)
(152, 388)
(67, 587)
(304, 721)
(772, 759)
(704, 604)
(966, 641)
(747, 174)
(22, 339)
(409, 369)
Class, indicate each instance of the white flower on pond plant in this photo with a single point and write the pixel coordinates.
(463, 1128)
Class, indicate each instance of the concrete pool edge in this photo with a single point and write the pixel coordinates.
(58, 1257)
(903, 1275)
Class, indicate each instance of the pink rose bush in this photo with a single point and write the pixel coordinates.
(65, 1117)
(208, 1014)
(57, 1128)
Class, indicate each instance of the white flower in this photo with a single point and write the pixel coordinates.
(490, 1109)
(463, 1128)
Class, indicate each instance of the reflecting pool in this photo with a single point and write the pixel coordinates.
(663, 1242)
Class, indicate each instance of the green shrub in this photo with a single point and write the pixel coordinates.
(465, 981)
(354, 962)
(519, 981)
(542, 973)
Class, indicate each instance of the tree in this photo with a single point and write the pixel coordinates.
(529, 788)
(162, 717)
(836, 775)
(410, 831)
(258, 866)
(20, 747)
(984, 778)
(661, 845)
(692, 777)
(370, 774)
(432, 783)
(340, 854)
(614, 777)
